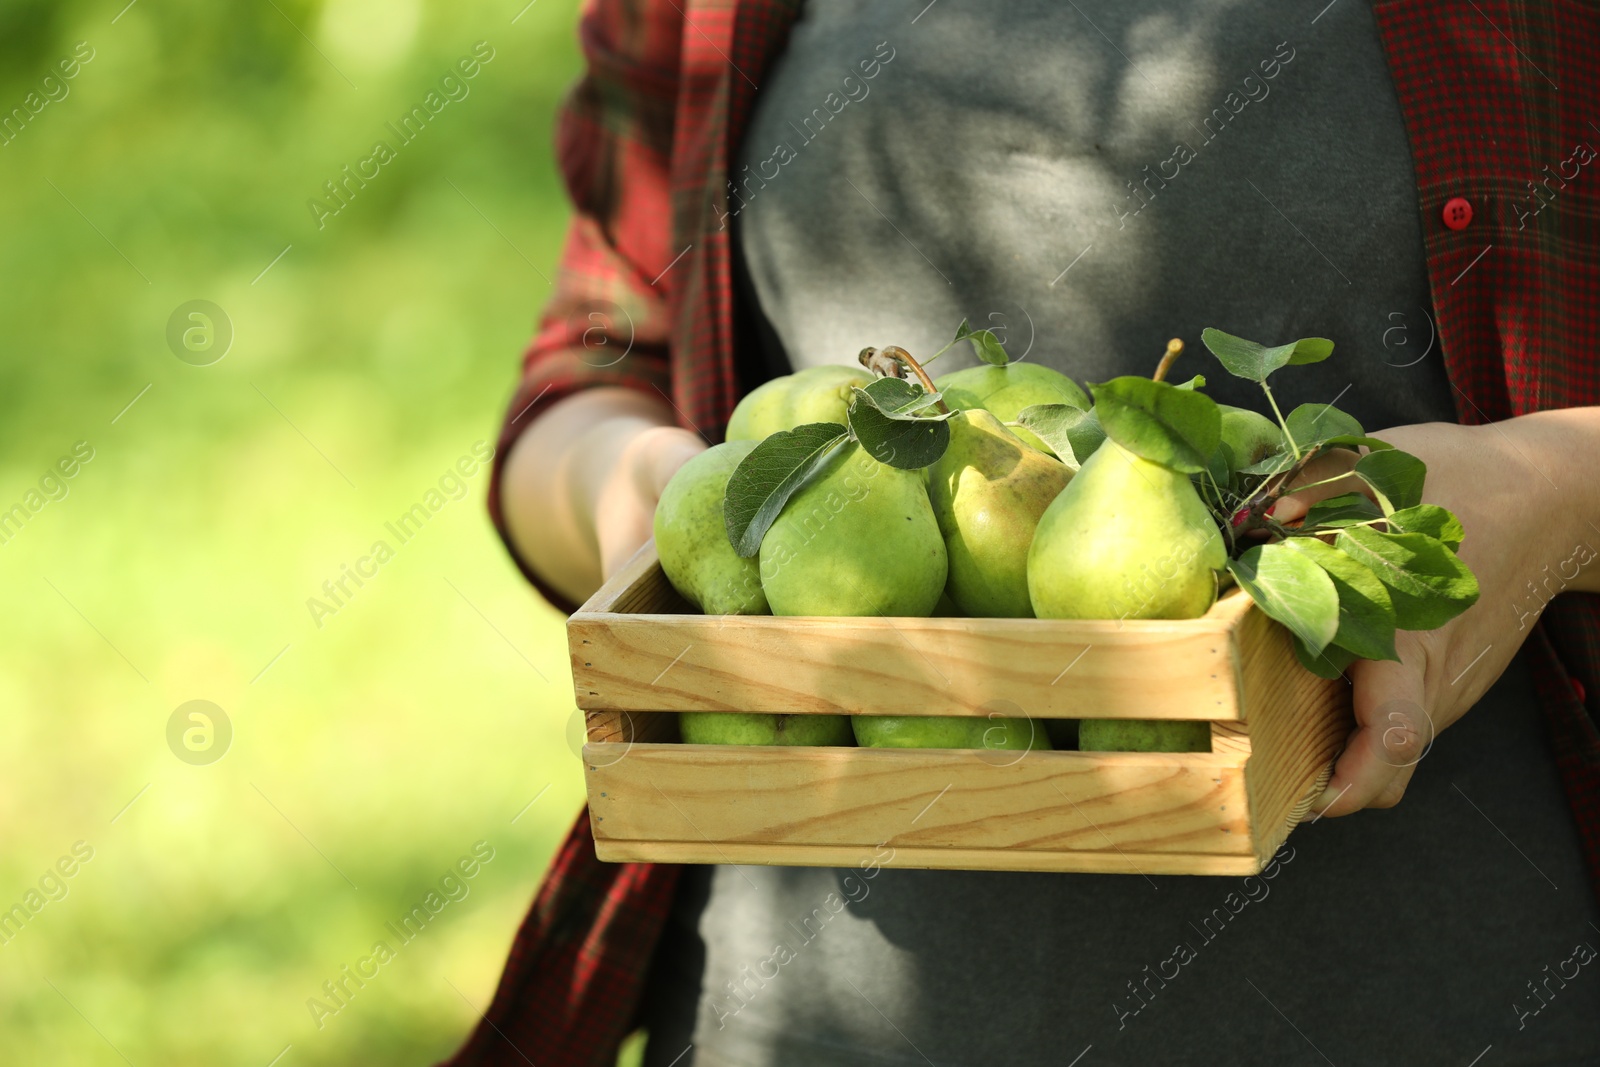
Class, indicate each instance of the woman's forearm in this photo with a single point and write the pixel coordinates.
(1561, 453)
(580, 481)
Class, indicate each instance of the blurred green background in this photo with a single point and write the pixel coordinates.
(370, 752)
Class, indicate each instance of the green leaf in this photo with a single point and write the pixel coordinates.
(1353, 441)
(1341, 510)
(1197, 382)
(1177, 428)
(1220, 469)
(1310, 423)
(1291, 588)
(1072, 433)
(764, 480)
(984, 343)
(1330, 664)
(1310, 350)
(1269, 465)
(1427, 584)
(1396, 478)
(1366, 615)
(1432, 520)
(895, 437)
(900, 399)
(1248, 359)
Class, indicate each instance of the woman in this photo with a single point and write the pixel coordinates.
(1092, 180)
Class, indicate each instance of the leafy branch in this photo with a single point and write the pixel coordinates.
(1354, 569)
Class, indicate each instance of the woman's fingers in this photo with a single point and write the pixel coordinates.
(1393, 732)
(1338, 462)
(627, 504)
(668, 449)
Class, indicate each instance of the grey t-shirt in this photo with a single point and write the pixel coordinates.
(995, 163)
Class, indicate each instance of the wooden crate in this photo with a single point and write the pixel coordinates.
(640, 654)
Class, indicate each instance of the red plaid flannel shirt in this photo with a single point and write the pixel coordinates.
(1495, 93)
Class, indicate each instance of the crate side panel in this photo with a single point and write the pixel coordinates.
(1297, 725)
(935, 799)
(880, 666)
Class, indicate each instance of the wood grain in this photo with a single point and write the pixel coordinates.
(632, 660)
(971, 859)
(640, 655)
(1042, 802)
(637, 586)
(1297, 724)
(628, 727)
(1231, 738)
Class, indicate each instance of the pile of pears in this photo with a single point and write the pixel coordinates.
(998, 526)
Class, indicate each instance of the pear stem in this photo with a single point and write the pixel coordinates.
(1174, 348)
(1287, 436)
(916, 368)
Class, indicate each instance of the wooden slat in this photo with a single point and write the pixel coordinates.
(1055, 802)
(1053, 669)
(1297, 725)
(627, 658)
(970, 859)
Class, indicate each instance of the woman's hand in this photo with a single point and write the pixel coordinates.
(580, 486)
(1530, 513)
(625, 506)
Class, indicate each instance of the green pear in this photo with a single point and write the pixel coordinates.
(1005, 391)
(1126, 539)
(1144, 735)
(949, 731)
(1249, 435)
(750, 728)
(692, 536)
(859, 538)
(1063, 733)
(988, 491)
(815, 394)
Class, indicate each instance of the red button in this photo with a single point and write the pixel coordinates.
(1577, 691)
(1457, 213)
